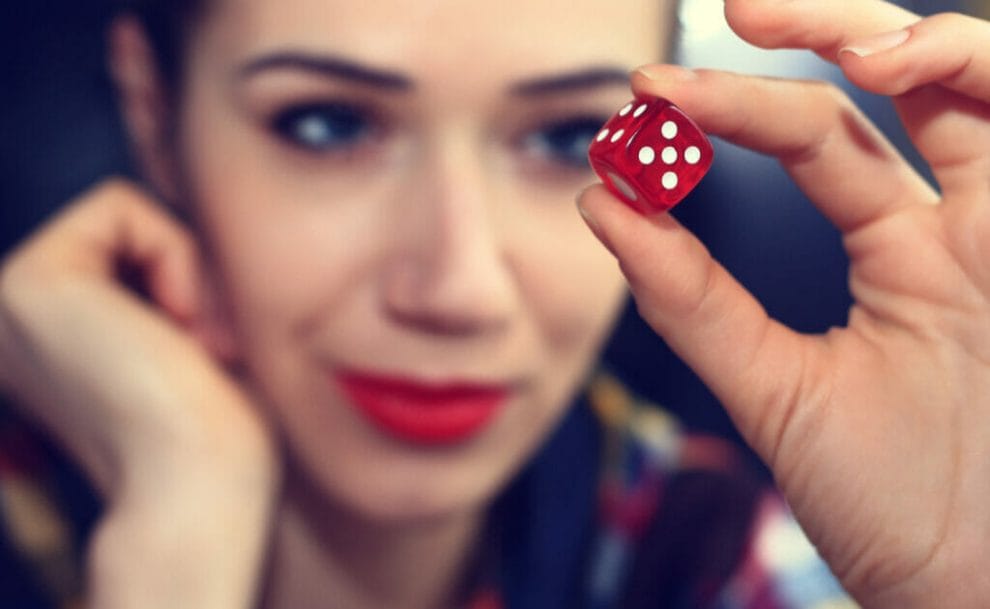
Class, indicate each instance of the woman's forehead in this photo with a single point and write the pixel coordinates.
(408, 34)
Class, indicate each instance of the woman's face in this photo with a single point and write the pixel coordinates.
(387, 192)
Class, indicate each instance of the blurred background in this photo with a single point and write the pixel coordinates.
(59, 133)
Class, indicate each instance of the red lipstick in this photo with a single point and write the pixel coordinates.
(423, 413)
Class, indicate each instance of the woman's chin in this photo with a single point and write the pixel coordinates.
(388, 500)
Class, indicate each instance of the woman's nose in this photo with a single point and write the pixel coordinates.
(448, 272)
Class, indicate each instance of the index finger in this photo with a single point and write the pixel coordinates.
(823, 26)
(753, 364)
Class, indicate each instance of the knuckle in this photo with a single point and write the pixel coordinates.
(757, 22)
(709, 78)
(835, 103)
(113, 194)
(833, 109)
(831, 94)
(115, 187)
(948, 22)
(31, 273)
(952, 28)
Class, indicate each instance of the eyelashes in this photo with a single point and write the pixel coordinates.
(324, 126)
(343, 127)
(564, 141)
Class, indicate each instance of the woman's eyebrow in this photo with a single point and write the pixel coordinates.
(329, 66)
(587, 78)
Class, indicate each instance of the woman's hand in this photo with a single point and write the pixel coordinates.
(879, 432)
(129, 385)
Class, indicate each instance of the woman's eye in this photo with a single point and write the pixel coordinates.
(565, 142)
(323, 127)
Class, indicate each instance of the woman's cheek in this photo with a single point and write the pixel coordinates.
(574, 286)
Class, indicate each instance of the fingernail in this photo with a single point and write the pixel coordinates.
(877, 44)
(666, 72)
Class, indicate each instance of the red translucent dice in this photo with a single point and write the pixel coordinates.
(651, 155)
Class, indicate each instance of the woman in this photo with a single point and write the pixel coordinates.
(379, 302)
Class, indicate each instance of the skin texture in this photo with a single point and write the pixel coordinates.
(438, 244)
(438, 249)
(876, 432)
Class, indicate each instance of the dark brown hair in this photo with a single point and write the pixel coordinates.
(167, 23)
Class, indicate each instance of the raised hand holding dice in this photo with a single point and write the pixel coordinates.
(878, 432)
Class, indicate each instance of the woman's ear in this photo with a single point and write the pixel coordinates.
(144, 103)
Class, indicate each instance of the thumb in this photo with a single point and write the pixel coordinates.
(753, 364)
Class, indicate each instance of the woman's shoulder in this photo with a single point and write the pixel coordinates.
(685, 520)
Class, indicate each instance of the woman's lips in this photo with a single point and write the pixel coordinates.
(423, 413)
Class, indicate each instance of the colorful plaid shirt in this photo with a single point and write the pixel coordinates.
(680, 523)
(741, 532)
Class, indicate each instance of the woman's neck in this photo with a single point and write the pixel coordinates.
(327, 558)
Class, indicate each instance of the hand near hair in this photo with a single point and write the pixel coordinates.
(878, 433)
(130, 388)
